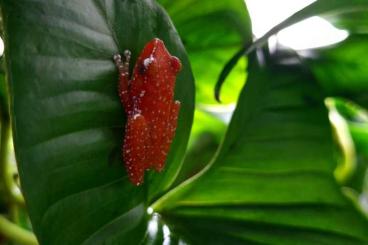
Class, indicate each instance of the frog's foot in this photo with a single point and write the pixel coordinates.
(123, 87)
(123, 64)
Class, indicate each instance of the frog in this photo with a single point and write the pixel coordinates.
(151, 110)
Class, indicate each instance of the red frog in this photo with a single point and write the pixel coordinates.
(151, 112)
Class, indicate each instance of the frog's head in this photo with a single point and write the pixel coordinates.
(156, 58)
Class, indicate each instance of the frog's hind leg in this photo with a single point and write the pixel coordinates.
(168, 136)
(134, 148)
(123, 86)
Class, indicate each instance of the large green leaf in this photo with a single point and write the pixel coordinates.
(272, 181)
(212, 31)
(67, 119)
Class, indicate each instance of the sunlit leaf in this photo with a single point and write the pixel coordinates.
(327, 9)
(212, 31)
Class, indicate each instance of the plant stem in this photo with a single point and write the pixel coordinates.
(345, 170)
(6, 175)
(15, 233)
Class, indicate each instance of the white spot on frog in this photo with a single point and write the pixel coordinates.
(148, 61)
(136, 115)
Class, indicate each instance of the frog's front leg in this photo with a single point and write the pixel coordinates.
(124, 82)
(135, 148)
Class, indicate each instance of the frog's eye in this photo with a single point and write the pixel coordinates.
(175, 64)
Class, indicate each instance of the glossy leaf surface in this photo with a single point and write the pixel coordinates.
(67, 118)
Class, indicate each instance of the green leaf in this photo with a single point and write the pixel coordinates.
(4, 97)
(226, 71)
(272, 180)
(355, 21)
(341, 69)
(206, 121)
(205, 138)
(327, 9)
(68, 121)
(212, 31)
